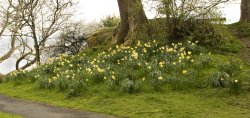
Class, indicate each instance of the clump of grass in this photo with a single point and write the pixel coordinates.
(230, 75)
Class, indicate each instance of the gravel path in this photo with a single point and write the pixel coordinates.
(36, 110)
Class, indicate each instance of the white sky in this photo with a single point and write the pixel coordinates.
(93, 10)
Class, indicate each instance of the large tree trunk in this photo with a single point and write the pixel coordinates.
(245, 11)
(132, 18)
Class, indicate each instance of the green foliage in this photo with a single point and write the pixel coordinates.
(196, 24)
(242, 29)
(110, 21)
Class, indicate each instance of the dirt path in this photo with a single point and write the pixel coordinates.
(36, 110)
(245, 53)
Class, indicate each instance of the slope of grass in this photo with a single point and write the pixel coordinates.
(206, 103)
(242, 29)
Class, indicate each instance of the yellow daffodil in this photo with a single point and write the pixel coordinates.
(113, 77)
(192, 60)
(161, 64)
(100, 70)
(170, 49)
(160, 78)
(174, 63)
(184, 71)
(50, 81)
(138, 43)
(139, 64)
(154, 41)
(135, 55)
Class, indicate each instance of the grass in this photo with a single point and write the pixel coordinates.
(242, 29)
(205, 103)
(6, 115)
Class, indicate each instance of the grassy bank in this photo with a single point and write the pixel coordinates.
(144, 80)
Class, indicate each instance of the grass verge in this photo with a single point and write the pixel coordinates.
(205, 103)
(5, 115)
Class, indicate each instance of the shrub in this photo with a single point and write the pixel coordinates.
(110, 21)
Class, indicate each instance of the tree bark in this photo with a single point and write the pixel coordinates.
(245, 11)
(132, 18)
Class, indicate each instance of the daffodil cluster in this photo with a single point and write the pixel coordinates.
(149, 62)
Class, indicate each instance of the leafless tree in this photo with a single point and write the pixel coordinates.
(42, 19)
(71, 41)
(11, 25)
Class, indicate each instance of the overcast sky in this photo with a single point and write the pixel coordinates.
(93, 10)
